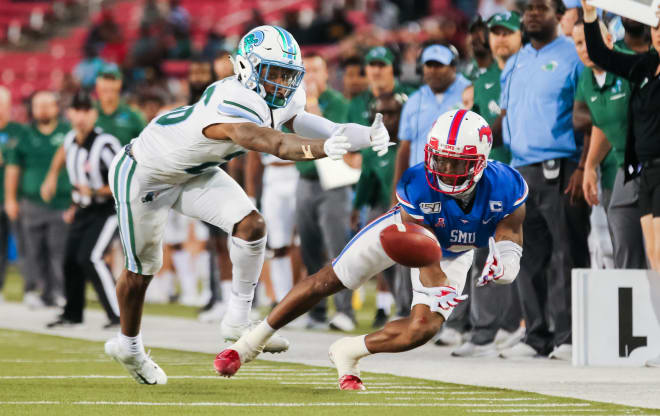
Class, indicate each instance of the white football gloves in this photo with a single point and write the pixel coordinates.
(337, 145)
(444, 298)
(493, 269)
(380, 138)
(503, 263)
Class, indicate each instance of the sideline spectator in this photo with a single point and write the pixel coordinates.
(322, 216)
(87, 152)
(607, 97)
(43, 223)
(539, 83)
(10, 134)
(115, 117)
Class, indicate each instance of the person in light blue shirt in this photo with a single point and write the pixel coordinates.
(538, 90)
(539, 87)
(442, 91)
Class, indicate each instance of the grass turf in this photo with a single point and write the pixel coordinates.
(90, 383)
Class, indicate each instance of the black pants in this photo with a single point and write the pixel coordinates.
(554, 242)
(91, 232)
(492, 306)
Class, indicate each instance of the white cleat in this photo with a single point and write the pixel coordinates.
(143, 369)
(347, 367)
(231, 333)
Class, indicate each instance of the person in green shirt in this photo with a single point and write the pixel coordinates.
(381, 79)
(43, 225)
(10, 133)
(636, 38)
(504, 39)
(607, 96)
(115, 117)
(373, 191)
(482, 57)
(322, 216)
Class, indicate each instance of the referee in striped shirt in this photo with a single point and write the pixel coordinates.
(87, 153)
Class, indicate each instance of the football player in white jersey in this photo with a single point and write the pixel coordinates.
(174, 164)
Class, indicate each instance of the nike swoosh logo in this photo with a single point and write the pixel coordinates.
(487, 221)
(489, 85)
(594, 98)
(616, 97)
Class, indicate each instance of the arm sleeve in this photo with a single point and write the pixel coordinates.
(611, 61)
(405, 200)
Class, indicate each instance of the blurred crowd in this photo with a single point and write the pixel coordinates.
(522, 65)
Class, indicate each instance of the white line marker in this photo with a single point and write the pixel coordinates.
(452, 392)
(548, 406)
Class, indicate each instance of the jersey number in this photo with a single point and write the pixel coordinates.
(180, 114)
(175, 116)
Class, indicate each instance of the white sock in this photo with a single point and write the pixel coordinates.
(225, 290)
(349, 350)
(259, 336)
(384, 301)
(247, 258)
(281, 275)
(132, 344)
(185, 271)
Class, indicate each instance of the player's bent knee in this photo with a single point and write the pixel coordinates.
(251, 227)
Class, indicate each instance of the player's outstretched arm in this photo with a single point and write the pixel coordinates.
(283, 145)
(505, 250)
(359, 137)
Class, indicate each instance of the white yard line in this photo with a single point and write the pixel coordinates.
(548, 406)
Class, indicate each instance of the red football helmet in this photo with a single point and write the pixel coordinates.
(456, 151)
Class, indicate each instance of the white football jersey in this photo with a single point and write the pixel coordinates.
(174, 147)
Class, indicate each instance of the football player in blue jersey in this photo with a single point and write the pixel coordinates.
(465, 200)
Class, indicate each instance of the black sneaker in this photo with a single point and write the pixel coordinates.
(63, 322)
(380, 320)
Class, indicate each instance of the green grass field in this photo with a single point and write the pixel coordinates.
(48, 375)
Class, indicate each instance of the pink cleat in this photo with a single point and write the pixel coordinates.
(350, 382)
(227, 362)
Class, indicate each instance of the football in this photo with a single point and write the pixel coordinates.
(410, 244)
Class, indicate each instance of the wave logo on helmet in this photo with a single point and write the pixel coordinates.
(486, 131)
(251, 40)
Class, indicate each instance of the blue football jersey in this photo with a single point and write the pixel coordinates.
(499, 192)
